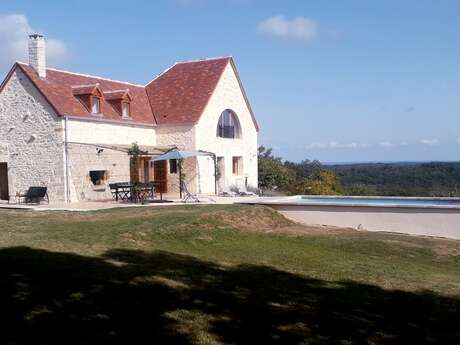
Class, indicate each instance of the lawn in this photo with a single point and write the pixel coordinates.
(219, 274)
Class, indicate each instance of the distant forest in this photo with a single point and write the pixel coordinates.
(399, 179)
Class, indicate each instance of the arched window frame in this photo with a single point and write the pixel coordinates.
(228, 125)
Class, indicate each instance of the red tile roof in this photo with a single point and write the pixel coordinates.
(177, 96)
(181, 93)
(57, 88)
(117, 94)
(85, 89)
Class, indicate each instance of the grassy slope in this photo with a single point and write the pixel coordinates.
(192, 267)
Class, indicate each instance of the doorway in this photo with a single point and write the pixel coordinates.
(160, 172)
(4, 193)
(145, 170)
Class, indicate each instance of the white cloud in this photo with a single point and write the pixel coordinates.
(430, 142)
(458, 141)
(14, 31)
(299, 28)
(335, 145)
(386, 144)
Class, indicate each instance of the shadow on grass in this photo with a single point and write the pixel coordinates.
(134, 297)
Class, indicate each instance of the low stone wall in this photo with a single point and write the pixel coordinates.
(439, 222)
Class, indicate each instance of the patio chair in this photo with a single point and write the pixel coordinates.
(187, 195)
(35, 195)
(114, 190)
(242, 190)
(226, 191)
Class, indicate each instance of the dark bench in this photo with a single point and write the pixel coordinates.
(35, 195)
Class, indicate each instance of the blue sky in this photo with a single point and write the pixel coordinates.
(330, 80)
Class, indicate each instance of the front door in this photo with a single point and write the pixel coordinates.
(161, 173)
(4, 195)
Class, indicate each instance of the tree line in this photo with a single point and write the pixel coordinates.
(277, 176)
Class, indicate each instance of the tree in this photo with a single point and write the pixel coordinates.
(273, 175)
(306, 177)
(135, 152)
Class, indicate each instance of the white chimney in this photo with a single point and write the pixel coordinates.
(37, 54)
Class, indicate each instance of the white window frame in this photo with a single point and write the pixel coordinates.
(95, 102)
(127, 106)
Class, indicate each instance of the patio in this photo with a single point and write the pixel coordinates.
(83, 206)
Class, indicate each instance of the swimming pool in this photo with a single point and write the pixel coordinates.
(420, 216)
(377, 201)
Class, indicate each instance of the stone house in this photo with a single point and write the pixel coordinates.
(70, 132)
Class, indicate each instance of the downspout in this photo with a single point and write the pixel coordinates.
(66, 159)
(215, 172)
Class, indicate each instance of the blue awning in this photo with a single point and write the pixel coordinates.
(180, 154)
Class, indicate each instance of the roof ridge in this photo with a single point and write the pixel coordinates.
(187, 61)
(205, 59)
(160, 74)
(88, 75)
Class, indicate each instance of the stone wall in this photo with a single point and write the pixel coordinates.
(228, 95)
(183, 137)
(85, 158)
(34, 135)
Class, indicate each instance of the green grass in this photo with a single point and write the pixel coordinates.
(219, 274)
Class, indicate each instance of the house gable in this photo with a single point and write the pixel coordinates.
(34, 134)
(228, 94)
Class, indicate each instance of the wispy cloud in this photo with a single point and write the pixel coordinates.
(14, 31)
(430, 142)
(410, 109)
(335, 145)
(458, 141)
(299, 28)
(386, 144)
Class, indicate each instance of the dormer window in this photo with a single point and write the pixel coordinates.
(90, 96)
(125, 109)
(95, 105)
(120, 100)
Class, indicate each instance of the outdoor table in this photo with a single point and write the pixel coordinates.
(127, 191)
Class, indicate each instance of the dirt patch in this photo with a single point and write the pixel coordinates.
(446, 247)
(268, 221)
(254, 218)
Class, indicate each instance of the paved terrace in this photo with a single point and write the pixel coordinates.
(105, 205)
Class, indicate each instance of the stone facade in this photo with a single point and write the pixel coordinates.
(99, 132)
(34, 135)
(85, 158)
(202, 136)
(227, 95)
(32, 143)
(182, 137)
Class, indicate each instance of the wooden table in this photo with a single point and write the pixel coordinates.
(135, 192)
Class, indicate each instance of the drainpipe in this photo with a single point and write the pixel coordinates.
(214, 156)
(66, 160)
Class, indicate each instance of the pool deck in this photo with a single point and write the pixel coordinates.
(425, 220)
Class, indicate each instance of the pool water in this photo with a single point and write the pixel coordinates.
(376, 201)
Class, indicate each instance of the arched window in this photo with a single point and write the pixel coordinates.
(228, 126)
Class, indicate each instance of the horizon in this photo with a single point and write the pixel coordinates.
(387, 162)
(357, 82)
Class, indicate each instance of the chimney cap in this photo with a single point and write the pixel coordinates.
(36, 36)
